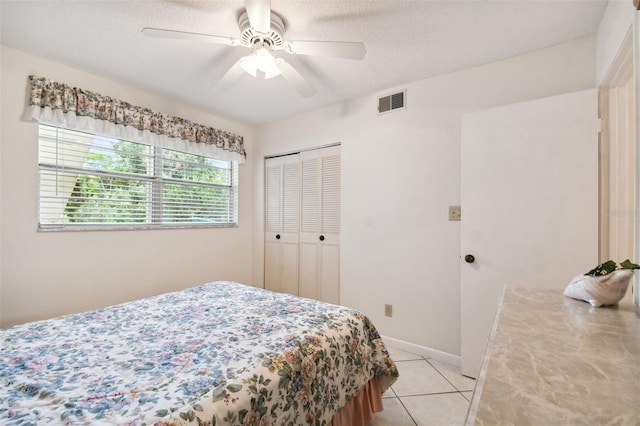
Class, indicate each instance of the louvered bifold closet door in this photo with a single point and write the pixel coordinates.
(320, 225)
(282, 223)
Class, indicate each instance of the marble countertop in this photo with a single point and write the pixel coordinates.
(552, 360)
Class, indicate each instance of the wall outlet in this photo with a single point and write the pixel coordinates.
(388, 310)
(455, 213)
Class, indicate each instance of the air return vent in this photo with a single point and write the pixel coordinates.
(391, 102)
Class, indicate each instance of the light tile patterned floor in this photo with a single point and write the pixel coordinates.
(427, 393)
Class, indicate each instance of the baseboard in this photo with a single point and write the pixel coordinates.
(422, 351)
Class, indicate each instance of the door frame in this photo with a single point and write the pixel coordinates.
(613, 118)
(636, 60)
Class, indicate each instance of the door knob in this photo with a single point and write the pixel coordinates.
(321, 237)
(277, 236)
(469, 258)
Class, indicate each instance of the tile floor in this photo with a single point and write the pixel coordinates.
(427, 393)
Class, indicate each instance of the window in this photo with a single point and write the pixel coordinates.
(89, 181)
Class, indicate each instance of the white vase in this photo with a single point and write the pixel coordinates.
(603, 290)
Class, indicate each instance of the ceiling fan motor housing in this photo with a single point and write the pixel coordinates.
(251, 38)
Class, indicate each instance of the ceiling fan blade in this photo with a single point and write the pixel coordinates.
(336, 49)
(259, 12)
(184, 35)
(295, 79)
(230, 77)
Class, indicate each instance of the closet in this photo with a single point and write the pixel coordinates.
(302, 224)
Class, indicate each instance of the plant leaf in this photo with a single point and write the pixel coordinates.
(628, 265)
(603, 269)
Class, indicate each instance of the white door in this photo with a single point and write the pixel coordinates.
(282, 198)
(529, 205)
(320, 225)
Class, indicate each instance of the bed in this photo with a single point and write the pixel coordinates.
(221, 353)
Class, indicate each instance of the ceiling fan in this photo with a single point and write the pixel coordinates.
(262, 31)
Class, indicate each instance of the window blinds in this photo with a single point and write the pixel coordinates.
(88, 180)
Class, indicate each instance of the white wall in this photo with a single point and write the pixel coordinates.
(614, 26)
(44, 274)
(400, 172)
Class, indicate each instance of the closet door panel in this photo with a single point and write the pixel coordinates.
(329, 248)
(320, 224)
(282, 223)
(310, 224)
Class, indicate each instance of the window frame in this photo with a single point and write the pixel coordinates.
(154, 197)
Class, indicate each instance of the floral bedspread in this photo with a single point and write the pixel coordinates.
(218, 354)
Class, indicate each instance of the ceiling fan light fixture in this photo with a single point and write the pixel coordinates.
(266, 62)
(249, 65)
(273, 71)
(260, 60)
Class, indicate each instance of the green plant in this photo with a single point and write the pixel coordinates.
(610, 266)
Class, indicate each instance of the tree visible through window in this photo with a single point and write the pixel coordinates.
(90, 180)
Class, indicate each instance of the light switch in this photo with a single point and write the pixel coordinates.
(388, 310)
(455, 213)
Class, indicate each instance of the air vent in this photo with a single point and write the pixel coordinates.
(391, 102)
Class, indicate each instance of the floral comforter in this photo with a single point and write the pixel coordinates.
(218, 354)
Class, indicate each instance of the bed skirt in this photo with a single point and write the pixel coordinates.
(361, 408)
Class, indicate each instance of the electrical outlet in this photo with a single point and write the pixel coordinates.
(388, 310)
(455, 213)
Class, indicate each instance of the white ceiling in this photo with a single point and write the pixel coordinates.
(406, 41)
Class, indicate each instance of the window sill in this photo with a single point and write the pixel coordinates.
(147, 227)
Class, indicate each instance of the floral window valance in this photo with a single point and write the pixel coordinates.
(78, 109)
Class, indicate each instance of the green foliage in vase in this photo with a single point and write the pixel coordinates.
(609, 266)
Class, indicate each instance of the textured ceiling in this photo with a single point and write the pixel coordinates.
(406, 41)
